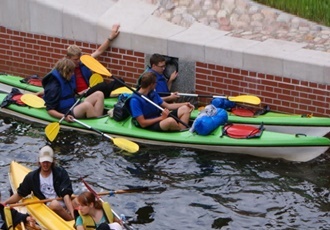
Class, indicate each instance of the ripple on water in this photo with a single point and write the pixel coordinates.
(189, 189)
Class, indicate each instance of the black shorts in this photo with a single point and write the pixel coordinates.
(156, 126)
(105, 87)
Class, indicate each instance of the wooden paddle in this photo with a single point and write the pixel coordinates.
(34, 202)
(99, 198)
(250, 99)
(53, 129)
(123, 191)
(110, 193)
(122, 143)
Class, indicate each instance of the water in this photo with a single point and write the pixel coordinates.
(188, 189)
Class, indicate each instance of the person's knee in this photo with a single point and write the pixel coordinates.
(184, 109)
(54, 205)
(99, 95)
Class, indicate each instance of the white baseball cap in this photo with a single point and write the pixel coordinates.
(46, 153)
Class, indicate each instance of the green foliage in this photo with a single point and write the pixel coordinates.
(313, 10)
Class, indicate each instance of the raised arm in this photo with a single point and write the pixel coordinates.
(114, 33)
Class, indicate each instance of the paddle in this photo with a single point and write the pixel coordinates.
(123, 191)
(121, 90)
(250, 99)
(122, 143)
(99, 198)
(34, 202)
(110, 193)
(33, 100)
(94, 65)
(53, 129)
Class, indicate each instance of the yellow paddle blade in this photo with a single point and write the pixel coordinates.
(33, 100)
(95, 79)
(126, 145)
(94, 65)
(52, 130)
(254, 100)
(121, 90)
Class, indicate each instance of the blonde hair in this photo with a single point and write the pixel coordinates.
(73, 50)
(65, 67)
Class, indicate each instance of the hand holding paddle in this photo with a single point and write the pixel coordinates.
(110, 193)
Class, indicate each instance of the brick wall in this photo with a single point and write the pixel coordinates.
(24, 54)
(281, 93)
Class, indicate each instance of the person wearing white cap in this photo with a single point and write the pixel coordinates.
(46, 182)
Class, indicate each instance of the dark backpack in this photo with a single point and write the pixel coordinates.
(120, 110)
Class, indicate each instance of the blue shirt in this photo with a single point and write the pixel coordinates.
(161, 86)
(139, 106)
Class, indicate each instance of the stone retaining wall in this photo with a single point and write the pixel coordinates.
(35, 34)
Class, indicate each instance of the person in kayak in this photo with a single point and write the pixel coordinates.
(47, 182)
(95, 214)
(147, 115)
(59, 94)
(82, 74)
(157, 66)
(12, 218)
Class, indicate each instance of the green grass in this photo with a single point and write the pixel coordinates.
(314, 10)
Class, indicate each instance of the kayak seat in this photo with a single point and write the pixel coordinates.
(239, 131)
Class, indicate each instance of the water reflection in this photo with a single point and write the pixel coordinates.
(189, 189)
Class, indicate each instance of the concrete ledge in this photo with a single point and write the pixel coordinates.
(228, 51)
(91, 21)
(190, 43)
(269, 56)
(153, 36)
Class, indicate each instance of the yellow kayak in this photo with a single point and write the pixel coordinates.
(44, 216)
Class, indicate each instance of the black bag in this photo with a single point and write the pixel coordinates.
(120, 111)
(14, 97)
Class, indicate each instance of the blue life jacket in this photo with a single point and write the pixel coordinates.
(67, 91)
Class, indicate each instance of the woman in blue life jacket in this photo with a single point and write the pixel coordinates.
(59, 94)
(94, 214)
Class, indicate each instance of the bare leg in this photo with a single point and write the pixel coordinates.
(169, 124)
(60, 210)
(91, 107)
(184, 115)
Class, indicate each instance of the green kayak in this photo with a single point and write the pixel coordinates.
(269, 145)
(273, 121)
